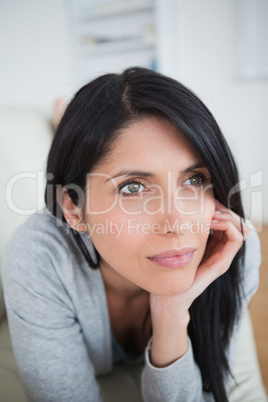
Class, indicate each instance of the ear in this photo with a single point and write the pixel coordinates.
(71, 212)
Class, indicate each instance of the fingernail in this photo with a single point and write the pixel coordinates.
(214, 221)
(218, 212)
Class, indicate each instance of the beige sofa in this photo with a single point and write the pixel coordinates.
(25, 136)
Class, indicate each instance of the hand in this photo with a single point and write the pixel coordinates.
(172, 312)
(222, 246)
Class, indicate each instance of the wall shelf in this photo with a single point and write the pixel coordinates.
(118, 9)
(118, 47)
(114, 35)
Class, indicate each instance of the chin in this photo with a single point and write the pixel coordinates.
(174, 286)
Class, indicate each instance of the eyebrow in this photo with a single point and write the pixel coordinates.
(141, 173)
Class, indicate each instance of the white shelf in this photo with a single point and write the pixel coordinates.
(119, 47)
(114, 34)
(88, 14)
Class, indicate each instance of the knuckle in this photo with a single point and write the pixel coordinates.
(240, 238)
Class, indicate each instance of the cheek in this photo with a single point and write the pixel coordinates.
(114, 235)
(196, 202)
(209, 206)
(209, 210)
(201, 222)
(206, 205)
(197, 215)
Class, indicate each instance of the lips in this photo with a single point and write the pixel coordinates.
(174, 258)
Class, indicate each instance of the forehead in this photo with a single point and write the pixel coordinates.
(149, 141)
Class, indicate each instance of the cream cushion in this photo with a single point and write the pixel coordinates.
(25, 137)
(246, 367)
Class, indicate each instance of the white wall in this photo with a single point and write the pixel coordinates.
(37, 67)
(205, 61)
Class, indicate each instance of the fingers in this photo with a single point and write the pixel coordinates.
(221, 255)
(225, 242)
(222, 213)
(232, 242)
(231, 230)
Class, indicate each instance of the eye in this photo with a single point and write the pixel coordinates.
(196, 180)
(131, 188)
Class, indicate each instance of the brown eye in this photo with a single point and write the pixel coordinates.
(196, 180)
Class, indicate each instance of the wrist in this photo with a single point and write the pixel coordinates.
(165, 323)
(169, 341)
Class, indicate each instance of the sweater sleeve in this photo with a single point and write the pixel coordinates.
(181, 381)
(251, 266)
(47, 340)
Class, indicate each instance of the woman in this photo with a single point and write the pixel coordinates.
(141, 252)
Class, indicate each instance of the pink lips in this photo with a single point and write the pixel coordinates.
(174, 258)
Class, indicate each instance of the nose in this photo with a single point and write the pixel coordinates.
(174, 223)
(173, 219)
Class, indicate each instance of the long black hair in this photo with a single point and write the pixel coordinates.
(83, 139)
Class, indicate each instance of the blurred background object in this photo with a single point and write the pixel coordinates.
(113, 33)
(59, 107)
(251, 38)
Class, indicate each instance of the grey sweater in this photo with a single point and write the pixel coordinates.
(59, 320)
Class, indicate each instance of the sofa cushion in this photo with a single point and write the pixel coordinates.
(2, 305)
(10, 385)
(25, 138)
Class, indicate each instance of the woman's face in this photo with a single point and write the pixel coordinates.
(149, 208)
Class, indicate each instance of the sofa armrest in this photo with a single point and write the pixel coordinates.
(248, 385)
(2, 303)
